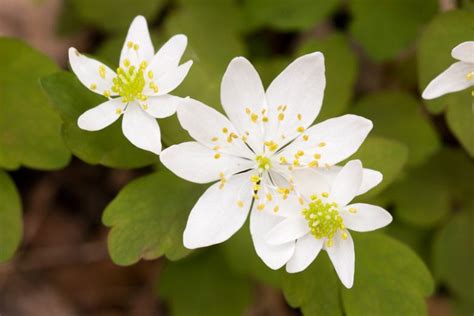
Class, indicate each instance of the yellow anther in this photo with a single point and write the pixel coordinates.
(265, 119)
(261, 206)
(300, 153)
(313, 164)
(469, 75)
(151, 74)
(276, 208)
(353, 210)
(217, 156)
(145, 106)
(305, 138)
(102, 71)
(129, 44)
(126, 62)
(254, 117)
(300, 200)
(313, 197)
(225, 130)
(136, 47)
(317, 156)
(269, 196)
(299, 116)
(279, 107)
(325, 194)
(214, 139)
(281, 116)
(329, 243)
(344, 235)
(215, 148)
(118, 111)
(240, 203)
(254, 178)
(93, 86)
(321, 144)
(106, 93)
(248, 111)
(300, 129)
(283, 160)
(284, 108)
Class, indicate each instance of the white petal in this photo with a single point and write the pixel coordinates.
(334, 140)
(341, 254)
(366, 218)
(464, 52)
(196, 163)
(139, 35)
(451, 80)
(347, 183)
(370, 178)
(169, 55)
(308, 182)
(89, 74)
(289, 229)
(101, 116)
(217, 214)
(210, 128)
(300, 87)
(161, 106)
(242, 89)
(171, 79)
(306, 250)
(141, 129)
(273, 256)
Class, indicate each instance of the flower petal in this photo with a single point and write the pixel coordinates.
(101, 116)
(451, 80)
(329, 142)
(341, 254)
(464, 52)
(366, 218)
(347, 183)
(288, 230)
(168, 57)
(300, 87)
(274, 256)
(141, 129)
(370, 178)
(243, 99)
(171, 79)
(211, 128)
(218, 214)
(308, 182)
(93, 74)
(306, 250)
(138, 46)
(197, 163)
(161, 106)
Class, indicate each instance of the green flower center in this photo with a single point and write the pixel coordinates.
(263, 163)
(130, 82)
(324, 219)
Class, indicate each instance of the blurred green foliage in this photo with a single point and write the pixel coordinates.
(379, 56)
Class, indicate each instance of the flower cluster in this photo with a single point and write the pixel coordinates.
(264, 157)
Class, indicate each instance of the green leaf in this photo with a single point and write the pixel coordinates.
(115, 15)
(385, 28)
(30, 130)
(287, 15)
(107, 147)
(242, 258)
(10, 218)
(315, 290)
(148, 217)
(416, 238)
(444, 32)
(385, 155)
(213, 40)
(460, 118)
(399, 116)
(204, 285)
(389, 279)
(453, 255)
(339, 59)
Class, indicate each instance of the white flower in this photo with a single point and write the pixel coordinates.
(141, 86)
(324, 219)
(457, 77)
(252, 153)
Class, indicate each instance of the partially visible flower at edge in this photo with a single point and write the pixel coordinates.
(324, 219)
(457, 77)
(139, 89)
(253, 153)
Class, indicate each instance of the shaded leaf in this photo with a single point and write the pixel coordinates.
(10, 217)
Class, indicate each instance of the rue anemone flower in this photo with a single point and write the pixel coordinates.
(325, 218)
(138, 90)
(252, 153)
(457, 77)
